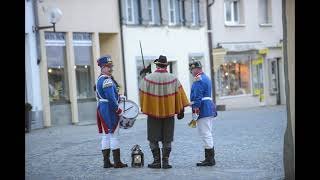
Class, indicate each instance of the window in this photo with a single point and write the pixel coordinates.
(151, 13)
(264, 12)
(130, 11)
(233, 79)
(56, 59)
(172, 12)
(232, 11)
(83, 65)
(195, 13)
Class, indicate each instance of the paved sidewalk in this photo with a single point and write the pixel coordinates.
(248, 144)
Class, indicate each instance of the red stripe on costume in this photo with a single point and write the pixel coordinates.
(161, 70)
(164, 83)
(150, 94)
(170, 115)
(199, 74)
(99, 123)
(105, 126)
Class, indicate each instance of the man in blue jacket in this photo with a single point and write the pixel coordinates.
(108, 113)
(203, 110)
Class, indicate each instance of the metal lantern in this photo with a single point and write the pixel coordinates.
(137, 156)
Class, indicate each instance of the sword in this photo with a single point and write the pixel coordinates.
(144, 70)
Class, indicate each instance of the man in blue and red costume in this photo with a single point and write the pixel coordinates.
(108, 113)
(203, 110)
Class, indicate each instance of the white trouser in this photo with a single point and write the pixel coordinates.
(205, 131)
(110, 140)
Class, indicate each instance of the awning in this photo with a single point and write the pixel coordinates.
(242, 46)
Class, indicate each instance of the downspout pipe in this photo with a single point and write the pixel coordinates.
(209, 32)
(210, 42)
(36, 21)
(122, 48)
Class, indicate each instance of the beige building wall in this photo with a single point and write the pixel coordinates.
(83, 15)
(99, 17)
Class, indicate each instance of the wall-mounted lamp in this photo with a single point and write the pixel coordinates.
(54, 15)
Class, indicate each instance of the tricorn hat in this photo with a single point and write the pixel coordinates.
(162, 60)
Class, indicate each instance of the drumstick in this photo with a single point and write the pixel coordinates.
(128, 108)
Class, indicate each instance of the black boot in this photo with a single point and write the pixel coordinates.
(156, 159)
(165, 158)
(116, 158)
(106, 160)
(209, 161)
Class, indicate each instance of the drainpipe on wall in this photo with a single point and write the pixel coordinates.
(122, 49)
(36, 22)
(209, 32)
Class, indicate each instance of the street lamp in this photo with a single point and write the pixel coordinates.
(54, 16)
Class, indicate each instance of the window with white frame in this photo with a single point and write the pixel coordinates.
(82, 44)
(151, 13)
(264, 11)
(56, 62)
(130, 11)
(172, 12)
(195, 12)
(232, 11)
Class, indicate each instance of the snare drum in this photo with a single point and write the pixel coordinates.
(130, 112)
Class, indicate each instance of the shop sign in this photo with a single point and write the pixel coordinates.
(258, 61)
(264, 51)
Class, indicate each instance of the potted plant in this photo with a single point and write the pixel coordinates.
(28, 108)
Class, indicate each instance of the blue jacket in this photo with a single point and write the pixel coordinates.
(107, 96)
(201, 88)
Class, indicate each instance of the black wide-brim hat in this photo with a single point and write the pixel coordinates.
(162, 60)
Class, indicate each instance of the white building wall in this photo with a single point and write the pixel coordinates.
(175, 43)
(31, 67)
(251, 30)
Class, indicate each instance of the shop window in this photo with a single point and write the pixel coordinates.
(233, 79)
(56, 61)
(83, 65)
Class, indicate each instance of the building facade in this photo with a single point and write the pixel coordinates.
(174, 28)
(32, 70)
(247, 51)
(67, 60)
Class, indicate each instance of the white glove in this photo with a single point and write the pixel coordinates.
(195, 116)
(122, 97)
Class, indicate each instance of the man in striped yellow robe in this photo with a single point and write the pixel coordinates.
(161, 97)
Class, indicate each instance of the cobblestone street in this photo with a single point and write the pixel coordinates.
(248, 145)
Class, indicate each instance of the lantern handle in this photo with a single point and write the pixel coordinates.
(135, 147)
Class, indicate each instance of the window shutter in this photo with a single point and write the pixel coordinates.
(202, 12)
(136, 12)
(123, 12)
(177, 11)
(165, 12)
(182, 12)
(156, 12)
(145, 19)
(188, 12)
